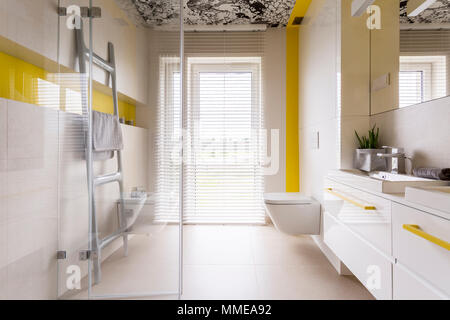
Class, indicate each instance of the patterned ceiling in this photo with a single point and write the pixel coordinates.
(439, 12)
(273, 13)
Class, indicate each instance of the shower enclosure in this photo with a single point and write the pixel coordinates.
(111, 246)
(64, 232)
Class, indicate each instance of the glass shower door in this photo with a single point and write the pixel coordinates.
(74, 81)
(127, 245)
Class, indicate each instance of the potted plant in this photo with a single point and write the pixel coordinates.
(366, 158)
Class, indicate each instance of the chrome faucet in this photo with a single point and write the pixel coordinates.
(396, 159)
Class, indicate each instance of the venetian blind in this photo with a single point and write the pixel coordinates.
(223, 178)
(424, 67)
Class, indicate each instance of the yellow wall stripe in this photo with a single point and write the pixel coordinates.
(292, 82)
(20, 81)
(292, 147)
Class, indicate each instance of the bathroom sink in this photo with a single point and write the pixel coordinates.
(393, 177)
(384, 182)
(432, 197)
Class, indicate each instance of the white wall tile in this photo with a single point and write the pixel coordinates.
(3, 17)
(32, 131)
(3, 261)
(34, 276)
(3, 206)
(3, 129)
(3, 158)
(423, 131)
(32, 161)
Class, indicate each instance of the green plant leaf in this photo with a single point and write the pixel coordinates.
(370, 142)
(361, 145)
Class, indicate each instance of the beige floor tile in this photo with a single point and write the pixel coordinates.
(224, 282)
(278, 249)
(151, 267)
(308, 283)
(223, 263)
(217, 245)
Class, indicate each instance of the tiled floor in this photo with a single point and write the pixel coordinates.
(228, 262)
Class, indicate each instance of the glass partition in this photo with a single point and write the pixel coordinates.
(119, 211)
(30, 97)
(73, 199)
(90, 145)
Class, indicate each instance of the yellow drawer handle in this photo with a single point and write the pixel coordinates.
(359, 205)
(420, 233)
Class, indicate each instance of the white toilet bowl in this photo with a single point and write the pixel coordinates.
(293, 213)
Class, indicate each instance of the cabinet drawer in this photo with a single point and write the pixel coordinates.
(371, 267)
(364, 213)
(407, 286)
(417, 251)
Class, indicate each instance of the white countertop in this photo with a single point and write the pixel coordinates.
(398, 198)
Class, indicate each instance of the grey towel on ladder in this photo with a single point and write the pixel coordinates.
(106, 135)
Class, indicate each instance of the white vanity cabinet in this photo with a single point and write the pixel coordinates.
(357, 228)
(385, 242)
(367, 263)
(417, 246)
(366, 214)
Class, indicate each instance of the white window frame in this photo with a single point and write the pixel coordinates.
(197, 65)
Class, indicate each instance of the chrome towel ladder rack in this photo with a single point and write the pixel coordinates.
(96, 244)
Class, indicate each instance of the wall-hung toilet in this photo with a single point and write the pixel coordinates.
(293, 213)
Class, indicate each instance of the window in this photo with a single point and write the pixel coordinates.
(422, 78)
(223, 176)
(411, 88)
(224, 180)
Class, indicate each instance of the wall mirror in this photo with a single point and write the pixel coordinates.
(410, 53)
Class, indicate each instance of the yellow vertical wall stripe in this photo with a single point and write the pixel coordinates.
(292, 147)
(292, 99)
(18, 81)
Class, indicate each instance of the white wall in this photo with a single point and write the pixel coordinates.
(274, 89)
(318, 108)
(43, 195)
(423, 130)
(333, 95)
(318, 95)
